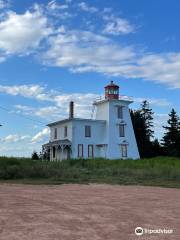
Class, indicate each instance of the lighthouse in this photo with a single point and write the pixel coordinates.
(119, 133)
(108, 135)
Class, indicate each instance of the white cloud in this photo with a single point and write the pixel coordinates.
(118, 26)
(82, 51)
(161, 68)
(4, 4)
(85, 7)
(64, 15)
(40, 136)
(13, 138)
(83, 103)
(53, 5)
(60, 101)
(29, 91)
(60, 11)
(60, 109)
(24, 108)
(49, 112)
(20, 33)
(161, 102)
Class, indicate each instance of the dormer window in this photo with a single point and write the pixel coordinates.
(55, 133)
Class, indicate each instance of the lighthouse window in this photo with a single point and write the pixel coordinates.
(123, 150)
(120, 112)
(87, 131)
(55, 133)
(121, 130)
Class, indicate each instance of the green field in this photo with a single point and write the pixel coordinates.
(160, 171)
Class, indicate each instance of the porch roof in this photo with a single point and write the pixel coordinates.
(65, 142)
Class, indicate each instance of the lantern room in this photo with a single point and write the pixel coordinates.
(112, 91)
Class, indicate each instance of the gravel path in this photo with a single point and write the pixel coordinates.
(87, 212)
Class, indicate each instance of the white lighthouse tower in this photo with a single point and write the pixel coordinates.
(119, 133)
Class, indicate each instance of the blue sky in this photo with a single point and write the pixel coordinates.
(52, 52)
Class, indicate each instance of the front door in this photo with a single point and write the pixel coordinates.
(68, 153)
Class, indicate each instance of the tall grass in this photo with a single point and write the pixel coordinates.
(160, 171)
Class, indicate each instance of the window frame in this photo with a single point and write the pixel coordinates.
(120, 112)
(65, 131)
(87, 132)
(124, 150)
(121, 130)
(82, 151)
(92, 151)
(55, 133)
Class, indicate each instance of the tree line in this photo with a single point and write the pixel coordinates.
(149, 146)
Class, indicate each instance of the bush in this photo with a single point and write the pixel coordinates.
(35, 156)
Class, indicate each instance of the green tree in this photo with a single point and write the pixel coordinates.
(35, 156)
(147, 114)
(157, 149)
(171, 138)
(140, 131)
(142, 120)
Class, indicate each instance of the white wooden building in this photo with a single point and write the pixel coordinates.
(109, 134)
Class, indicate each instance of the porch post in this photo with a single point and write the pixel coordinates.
(51, 153)
(62, 152)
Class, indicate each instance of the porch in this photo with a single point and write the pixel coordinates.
(57, 150)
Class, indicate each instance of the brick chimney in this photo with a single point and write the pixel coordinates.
(71, 109)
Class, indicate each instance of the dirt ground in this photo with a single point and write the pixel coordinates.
(87, 212)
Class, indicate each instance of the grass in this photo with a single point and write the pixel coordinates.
(160, 171)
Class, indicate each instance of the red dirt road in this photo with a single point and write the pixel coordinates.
(87, 212)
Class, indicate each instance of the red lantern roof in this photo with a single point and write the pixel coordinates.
(112, 91)
(111, 84)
